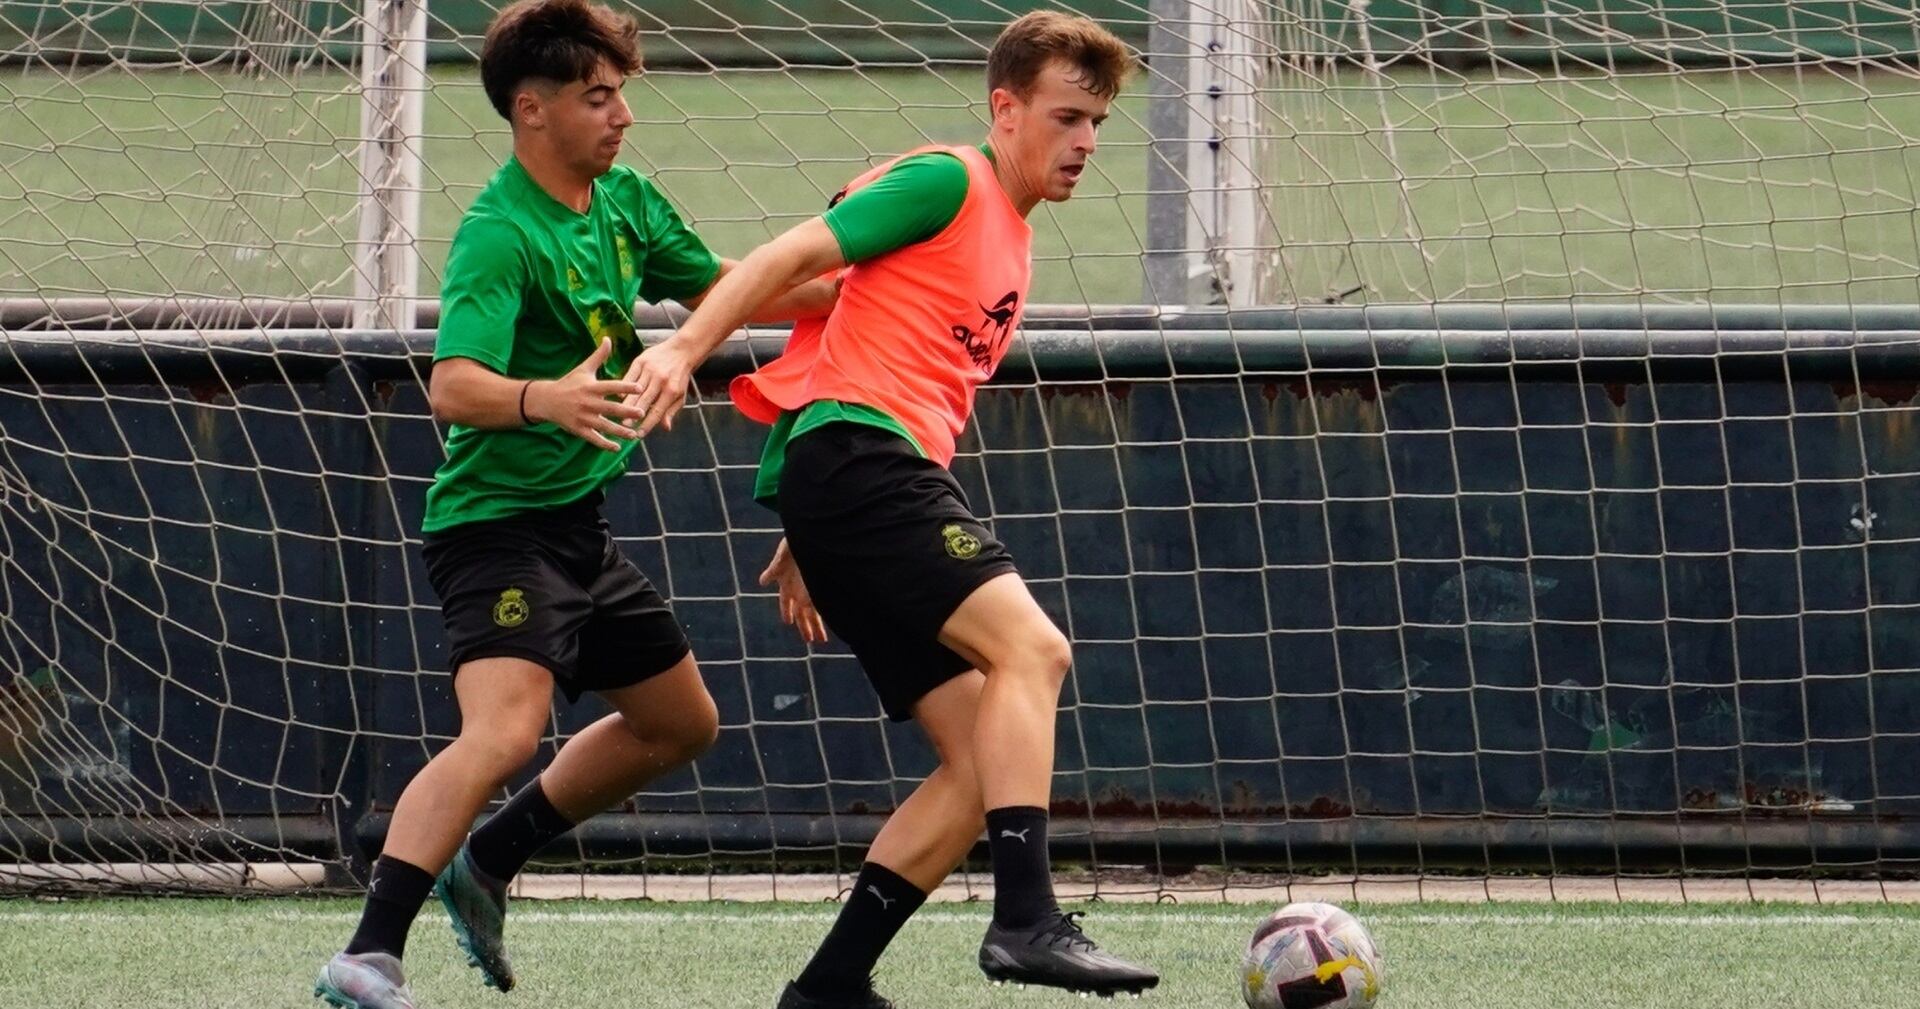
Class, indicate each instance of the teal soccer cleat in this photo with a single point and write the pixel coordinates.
(477, 905)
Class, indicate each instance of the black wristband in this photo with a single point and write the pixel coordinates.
(524, 419)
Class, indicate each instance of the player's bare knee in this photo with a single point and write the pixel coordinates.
(1040, 652)
(699, 730)
(1051, 655)
(499, 751)
(692, 731)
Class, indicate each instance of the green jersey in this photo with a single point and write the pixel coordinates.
(915, 200)
(531, 287)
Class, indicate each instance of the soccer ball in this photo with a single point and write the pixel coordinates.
(1310, 956)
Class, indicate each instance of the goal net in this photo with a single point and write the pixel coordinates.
(1460, 438)
(1630, 150)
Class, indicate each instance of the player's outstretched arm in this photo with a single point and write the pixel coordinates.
(464, 391)
(665, 369)
(810, 300)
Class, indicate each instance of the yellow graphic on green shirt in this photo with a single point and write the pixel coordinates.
(565, 264)
(626, 257)
(512, 609)
(606, 323)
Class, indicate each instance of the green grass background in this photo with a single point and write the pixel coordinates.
(1756, 186)
(124, 953)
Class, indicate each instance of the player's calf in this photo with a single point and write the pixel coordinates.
(1031, 941)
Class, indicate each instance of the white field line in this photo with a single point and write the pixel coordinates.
(51, 916)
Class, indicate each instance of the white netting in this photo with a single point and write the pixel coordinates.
(1629, 151)
(1351, 590)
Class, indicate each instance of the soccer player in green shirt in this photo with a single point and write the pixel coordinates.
(536, 327)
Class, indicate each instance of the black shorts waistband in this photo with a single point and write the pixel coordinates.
(585, 510)
(850, 432)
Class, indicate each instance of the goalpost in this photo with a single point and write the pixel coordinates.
(1461, 438)
(393, 76)
(1209, 229)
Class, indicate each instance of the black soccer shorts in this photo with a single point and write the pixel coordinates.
(550, 586)
(889, 549)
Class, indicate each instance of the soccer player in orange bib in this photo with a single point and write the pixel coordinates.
(866, 406)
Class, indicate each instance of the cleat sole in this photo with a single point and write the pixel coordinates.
(1001, 977)
(466, 943)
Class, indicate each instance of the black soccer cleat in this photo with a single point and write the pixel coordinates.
(1054, 952)
(864, 998)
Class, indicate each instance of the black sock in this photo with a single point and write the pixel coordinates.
(1022, 880)
(522, 827)
(394, 895)
(881, 902)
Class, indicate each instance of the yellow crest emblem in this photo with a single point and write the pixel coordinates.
(512, 609)
(961, 544)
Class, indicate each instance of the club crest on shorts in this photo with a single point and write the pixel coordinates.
(961, 544)
(512, 609)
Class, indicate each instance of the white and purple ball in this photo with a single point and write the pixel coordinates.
(1310, 956)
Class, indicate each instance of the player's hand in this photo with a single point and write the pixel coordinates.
(796, 604)
(660, 375)
(578, 401)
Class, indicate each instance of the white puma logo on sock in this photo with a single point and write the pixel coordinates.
(884, 902)
(1021, 836)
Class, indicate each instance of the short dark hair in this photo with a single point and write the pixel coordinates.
(1027, 45)
(555, 40)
